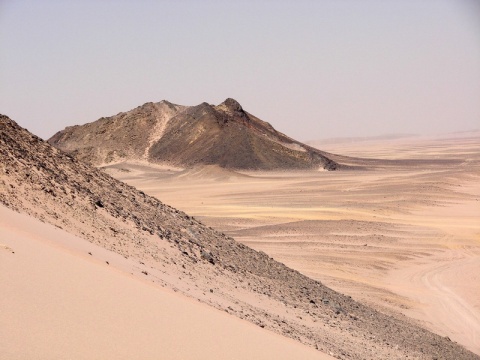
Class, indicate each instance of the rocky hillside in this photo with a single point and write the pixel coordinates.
(176, 251)
(224, 135)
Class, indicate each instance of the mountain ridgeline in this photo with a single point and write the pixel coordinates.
(224, 135)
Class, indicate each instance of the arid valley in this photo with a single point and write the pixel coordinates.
(241, 180)
(403, 237)
(372, 254)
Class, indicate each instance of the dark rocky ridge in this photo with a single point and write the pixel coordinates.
(55, 187)
(224, 135)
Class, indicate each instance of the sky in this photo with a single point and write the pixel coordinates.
(313, 69)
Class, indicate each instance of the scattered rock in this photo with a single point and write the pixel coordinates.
(207, 256)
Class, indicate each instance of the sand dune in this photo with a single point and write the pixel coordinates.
(60, 302)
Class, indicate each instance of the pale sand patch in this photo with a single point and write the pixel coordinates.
(162, 117)
(60, 302)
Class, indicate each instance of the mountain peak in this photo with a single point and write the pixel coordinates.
(231, 107)
(224, 135)
(232, 104)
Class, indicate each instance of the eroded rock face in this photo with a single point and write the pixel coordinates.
(181, 253)
(224, 135)
(127, 135)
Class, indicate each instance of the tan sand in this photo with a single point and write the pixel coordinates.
(405, 238)
(59, 302)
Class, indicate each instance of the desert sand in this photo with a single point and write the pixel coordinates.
(403, 237)
(142, 237)
(59, 302)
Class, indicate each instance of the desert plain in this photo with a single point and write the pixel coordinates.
(402, 236)
(358, 263)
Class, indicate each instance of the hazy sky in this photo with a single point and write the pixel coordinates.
(313, 69)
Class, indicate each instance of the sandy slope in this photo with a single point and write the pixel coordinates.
(405, 238)
(60, 302)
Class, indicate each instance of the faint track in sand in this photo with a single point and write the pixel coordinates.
(436, 285)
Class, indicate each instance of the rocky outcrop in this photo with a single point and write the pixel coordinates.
(224, 135)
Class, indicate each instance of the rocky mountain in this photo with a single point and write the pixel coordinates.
(174, 250)
(224, 135)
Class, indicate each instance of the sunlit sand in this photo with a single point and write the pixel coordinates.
(405, 238)
(60, 302)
